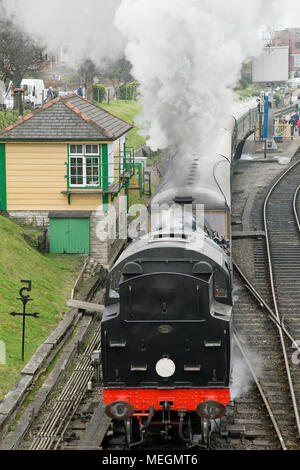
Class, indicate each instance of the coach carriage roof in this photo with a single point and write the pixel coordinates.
(206, 179)
(228, 123)
(241, 108)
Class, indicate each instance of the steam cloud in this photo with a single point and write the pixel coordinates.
(84, 28)
(242, 379)
(187, 57)
(186, 54)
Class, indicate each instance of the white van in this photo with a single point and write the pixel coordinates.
(36, 92)
(8, 98)
(2, 92)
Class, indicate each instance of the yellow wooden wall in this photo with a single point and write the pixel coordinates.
(35, 177)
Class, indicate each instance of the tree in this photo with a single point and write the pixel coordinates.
(119, 72)
(87, 72)
(18, 53)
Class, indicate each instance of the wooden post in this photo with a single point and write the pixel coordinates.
(19, 97)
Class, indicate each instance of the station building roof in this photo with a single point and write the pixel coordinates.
(65, 118)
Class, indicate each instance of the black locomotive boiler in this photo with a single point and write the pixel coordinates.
(166, 328)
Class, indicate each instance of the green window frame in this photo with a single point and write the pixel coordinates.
(84, 166)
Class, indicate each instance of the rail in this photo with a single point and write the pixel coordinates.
(53, 428)
(264, 304)
(271, 315)
(264, 398)
(272, 282)
(295, 208)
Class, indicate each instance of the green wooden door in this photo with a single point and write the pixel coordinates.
(70, 235)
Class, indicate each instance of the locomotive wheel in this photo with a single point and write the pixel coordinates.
(128, 431)
(205, 432)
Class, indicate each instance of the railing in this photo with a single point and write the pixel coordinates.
(280, 130)
(112, 176)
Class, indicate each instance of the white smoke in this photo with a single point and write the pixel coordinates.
(186, 54)
(84, 29)
(242, 379)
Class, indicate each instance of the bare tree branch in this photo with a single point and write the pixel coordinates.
(18, 53)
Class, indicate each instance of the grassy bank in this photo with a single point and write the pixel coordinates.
(127, 110)
(253, 89)
(8, 117)
(52, 277)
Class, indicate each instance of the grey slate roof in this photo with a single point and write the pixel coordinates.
(105, 120)
(67, 118)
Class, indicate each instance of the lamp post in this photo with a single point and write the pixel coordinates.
(291, 94)
(282, 88)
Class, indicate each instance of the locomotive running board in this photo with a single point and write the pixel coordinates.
(85, 305)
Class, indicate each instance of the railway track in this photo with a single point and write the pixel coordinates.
(277, 281)
(266, 332)
(52, 431)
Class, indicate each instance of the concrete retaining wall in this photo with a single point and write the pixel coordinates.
(104, 252)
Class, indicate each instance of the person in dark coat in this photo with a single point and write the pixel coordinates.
(292, 124)
(295, 118)
(50, 94)
(80, 91)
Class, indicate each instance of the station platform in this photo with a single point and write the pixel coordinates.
(254, 150)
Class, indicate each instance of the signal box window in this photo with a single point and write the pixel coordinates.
(91, 149)
(84, 169)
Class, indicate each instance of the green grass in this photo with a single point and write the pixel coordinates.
(252, 90)
(127, 110)
(52, 277)
(8, 117)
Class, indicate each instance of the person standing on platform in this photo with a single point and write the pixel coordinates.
(292, 124)
(295, 119)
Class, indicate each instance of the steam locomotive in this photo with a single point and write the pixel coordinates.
(166, 328)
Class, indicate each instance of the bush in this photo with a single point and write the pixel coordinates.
(128, 90)
(277, 98)
(8, 117)
(243, 83)
(98, 92)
